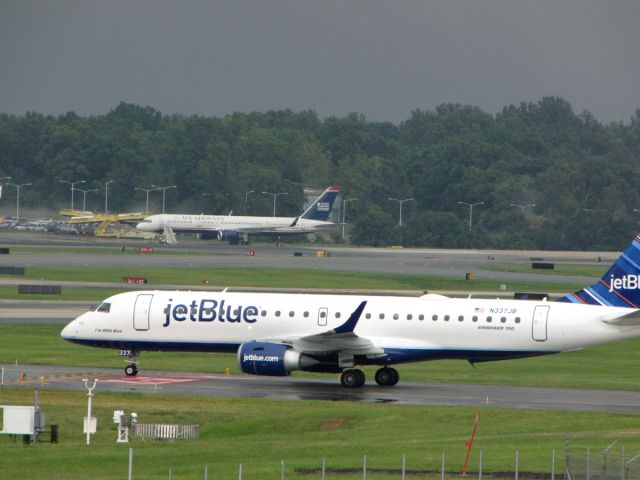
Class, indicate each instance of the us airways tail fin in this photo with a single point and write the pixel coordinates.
(320, 209)
(619, 287)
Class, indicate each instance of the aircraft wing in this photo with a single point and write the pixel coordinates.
(341, 340)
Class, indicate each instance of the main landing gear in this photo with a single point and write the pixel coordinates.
(354, 378)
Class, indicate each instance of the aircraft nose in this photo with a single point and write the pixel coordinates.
(69, 331)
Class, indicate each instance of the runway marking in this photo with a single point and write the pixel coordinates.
(154, 380)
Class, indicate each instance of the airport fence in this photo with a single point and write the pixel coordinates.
(602, 465)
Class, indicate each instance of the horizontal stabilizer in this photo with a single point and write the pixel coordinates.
(629, 320)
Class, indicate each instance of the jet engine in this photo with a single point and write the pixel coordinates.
(274, 359)
(231, 236)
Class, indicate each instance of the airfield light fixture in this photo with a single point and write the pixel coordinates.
(147, 190)
(73, 184)
(275, 195)
(18, 187)
(344, 211)
(84, 196)
(164, 192)
(471, 205)
(246, 200)
(106, 195)
(522, 207)
(400, 202)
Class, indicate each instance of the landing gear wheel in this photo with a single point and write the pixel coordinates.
(387, 376)
(353, 378)
(131, 370)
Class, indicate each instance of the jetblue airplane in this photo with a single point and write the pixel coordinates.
(233, 227)
(275, 333)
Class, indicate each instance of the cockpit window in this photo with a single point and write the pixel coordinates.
(103, 307)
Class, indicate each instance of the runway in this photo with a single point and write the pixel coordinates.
(189, 253)
(305, 388)
(196, 254)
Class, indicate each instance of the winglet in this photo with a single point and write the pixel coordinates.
(350, 325)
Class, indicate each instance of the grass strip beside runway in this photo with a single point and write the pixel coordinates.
(613, 366)
(260, 433)
(285, 278)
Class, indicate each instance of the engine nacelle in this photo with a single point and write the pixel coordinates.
(231, 236)
(274, 359)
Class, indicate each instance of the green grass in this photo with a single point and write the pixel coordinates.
(260, 433)
(612, 366)
(285, 278)
(572, 269)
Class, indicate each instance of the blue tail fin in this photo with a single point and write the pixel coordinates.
(320, 209)
(619, 287)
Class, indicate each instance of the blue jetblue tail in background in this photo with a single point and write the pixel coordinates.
(320, 209)
(619, 287)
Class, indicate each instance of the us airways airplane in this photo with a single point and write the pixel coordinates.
(233, 227)
(275, 334)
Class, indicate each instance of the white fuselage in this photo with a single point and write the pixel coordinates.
(236, 223)
(408, 329)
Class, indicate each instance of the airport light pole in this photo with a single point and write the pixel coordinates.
(246, 200)
(73, 185)
(471, 205)
(164, 192)
(400, 202)
(275, 195)
(18, 187)
(84, 197)
(522, 207)
(344, 211)
(1, 179)
(106, 196)
(146, 210)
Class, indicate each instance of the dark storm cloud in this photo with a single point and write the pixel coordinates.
(379, 58)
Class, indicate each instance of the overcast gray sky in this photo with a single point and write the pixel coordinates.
(379, 58)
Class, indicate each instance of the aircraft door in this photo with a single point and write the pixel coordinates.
(539, 328)
(323, 313)
(141, 311)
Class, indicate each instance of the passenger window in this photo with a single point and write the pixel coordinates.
(323, 314)
(291, 314)
(503, 319)
(382, 316)
(421, 317)
(396, 316)
(409, 316)
(489, 319)
(306, 314)
(368, 315)
(434, 317)
(337, 314)
(277, 313)
(474, 318)
(263, 313)
(517, 319)
(460, 318)
(446, 318)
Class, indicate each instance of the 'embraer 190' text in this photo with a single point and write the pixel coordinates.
(209, 310)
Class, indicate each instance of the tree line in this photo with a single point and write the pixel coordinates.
(580, 174)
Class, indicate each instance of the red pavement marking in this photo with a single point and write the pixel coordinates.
(152, 380)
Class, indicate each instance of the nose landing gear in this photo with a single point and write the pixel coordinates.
(131, 370)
